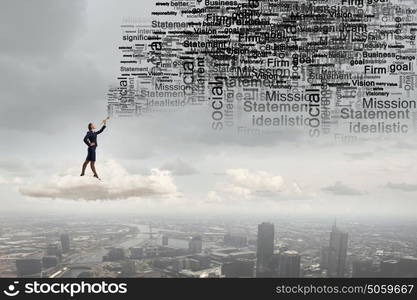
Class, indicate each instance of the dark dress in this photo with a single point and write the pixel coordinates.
(91, 137)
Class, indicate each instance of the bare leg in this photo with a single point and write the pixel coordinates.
(84, 166)
(93, 168)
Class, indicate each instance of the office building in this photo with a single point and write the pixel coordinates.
(65, 242)
(165, 240)
(54, 250)
(288, 264)
(338, 244)
(136, 253)
(265, 249)
(195, 245)
(115, 254)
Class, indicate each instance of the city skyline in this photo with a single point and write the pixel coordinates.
(149, 247)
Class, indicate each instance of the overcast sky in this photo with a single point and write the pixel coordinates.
(57, 59)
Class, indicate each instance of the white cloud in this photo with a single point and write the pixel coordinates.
(117, 183)
(405, 187)
(244, 184)
(11, 180)
(359, 155)
(213, 197)
(179, 167)
(339, 188)
(258, 180)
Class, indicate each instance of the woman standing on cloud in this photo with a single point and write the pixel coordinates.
(90, 140)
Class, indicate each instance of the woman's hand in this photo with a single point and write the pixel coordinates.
(105, 121)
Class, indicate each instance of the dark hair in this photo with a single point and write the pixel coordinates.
(90, 125)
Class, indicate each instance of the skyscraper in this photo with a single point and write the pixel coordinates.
(165, 239)
(337, 252)
(324, 257)
(54, 249)
(65, 242)
(289, 264)
(195, 245)
(265, 249)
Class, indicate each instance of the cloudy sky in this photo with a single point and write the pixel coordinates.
(57, 59)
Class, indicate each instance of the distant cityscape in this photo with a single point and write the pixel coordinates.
(163, 247)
